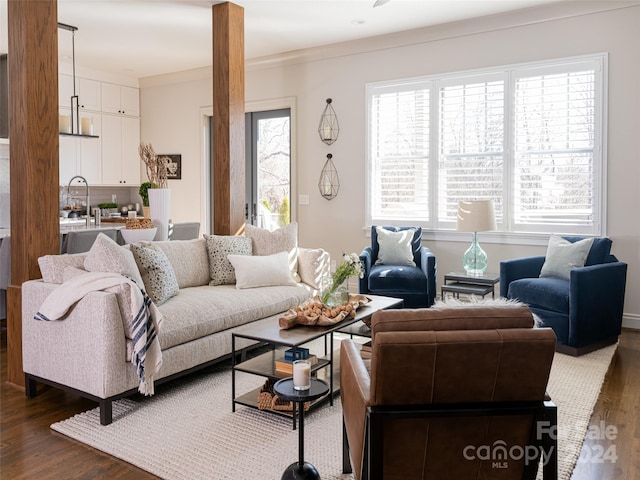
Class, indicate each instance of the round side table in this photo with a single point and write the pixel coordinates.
(300, 470)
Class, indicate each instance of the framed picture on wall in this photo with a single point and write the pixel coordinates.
(174, 166)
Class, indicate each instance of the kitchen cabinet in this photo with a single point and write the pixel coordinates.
(89, 94)
(121, 100)
(88, 91)
(81, 155)
(120, 140)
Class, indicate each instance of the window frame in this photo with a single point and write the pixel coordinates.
(435, 230)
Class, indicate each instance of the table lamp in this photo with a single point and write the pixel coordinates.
(475, 216)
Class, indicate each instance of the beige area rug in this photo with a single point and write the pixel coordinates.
(187, 430)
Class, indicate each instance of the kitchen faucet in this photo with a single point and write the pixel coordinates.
(88, 202)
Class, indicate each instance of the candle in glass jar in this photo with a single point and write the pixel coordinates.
(301, 375)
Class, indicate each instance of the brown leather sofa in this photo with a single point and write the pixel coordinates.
(450, 393)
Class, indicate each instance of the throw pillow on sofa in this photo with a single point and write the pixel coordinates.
(283, 239)
(261, 271)
(563, 256)
(53, 267)
(221, 272)
(157, 274)
(106, 255)
(188, 258)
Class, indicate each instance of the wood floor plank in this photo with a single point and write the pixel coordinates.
(30, 449)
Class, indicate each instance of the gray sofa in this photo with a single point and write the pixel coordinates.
(87, 351)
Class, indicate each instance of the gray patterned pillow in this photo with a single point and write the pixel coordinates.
(218, 247)
(157, 273)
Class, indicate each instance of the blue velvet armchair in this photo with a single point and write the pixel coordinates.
(416, 285)
(585, 311)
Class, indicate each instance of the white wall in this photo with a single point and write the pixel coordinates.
(170, 117)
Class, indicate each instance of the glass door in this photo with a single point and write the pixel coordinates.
(268, 168)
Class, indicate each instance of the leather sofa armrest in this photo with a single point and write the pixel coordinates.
(510, 270)
(355, 392)
(366, 257)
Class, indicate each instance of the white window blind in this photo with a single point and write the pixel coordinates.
(471, 146)
(531, 137)
(400, 153)
(554, 149)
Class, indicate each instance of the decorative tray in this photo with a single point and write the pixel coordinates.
(314, 312)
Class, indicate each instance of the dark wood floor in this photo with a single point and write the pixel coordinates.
(30, 449)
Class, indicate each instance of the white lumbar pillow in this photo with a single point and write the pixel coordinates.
(563, 256)
(395, 247)
(261, 271)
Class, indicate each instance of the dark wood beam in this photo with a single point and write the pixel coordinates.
(228, 119)
(33, 151)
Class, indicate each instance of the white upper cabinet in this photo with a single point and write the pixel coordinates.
(120, 100)
(120, 160)
(89, 94)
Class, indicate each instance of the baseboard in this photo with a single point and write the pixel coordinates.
(631, 320)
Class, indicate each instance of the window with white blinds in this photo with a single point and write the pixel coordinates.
(400, 153)
(527, 136)
(471, 145)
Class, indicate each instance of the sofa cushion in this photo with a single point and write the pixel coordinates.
(394, 248)
(188, 259)
(200, 311)
(313, 264)
(261, 271)
(221, 272)
(600, 250)
(106, 255)
(157, 274)
(53, 267)
(283, 239)
(396, 278)
(563, 256)
(548, 293)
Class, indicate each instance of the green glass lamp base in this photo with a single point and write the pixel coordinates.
(474, 260)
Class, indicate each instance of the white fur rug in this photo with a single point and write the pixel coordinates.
(187, 430)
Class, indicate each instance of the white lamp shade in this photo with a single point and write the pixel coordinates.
(476, 216)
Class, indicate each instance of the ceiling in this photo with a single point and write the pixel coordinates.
(142, 38)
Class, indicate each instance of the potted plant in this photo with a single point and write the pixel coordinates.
(144, 194)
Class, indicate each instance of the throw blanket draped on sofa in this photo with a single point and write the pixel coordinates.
(145, 318)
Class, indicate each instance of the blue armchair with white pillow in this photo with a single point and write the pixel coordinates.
(398, 265)
(577, 289)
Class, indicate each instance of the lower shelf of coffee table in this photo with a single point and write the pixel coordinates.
(250, 399)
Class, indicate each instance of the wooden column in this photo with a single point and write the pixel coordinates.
(33, 150)
(228, 119)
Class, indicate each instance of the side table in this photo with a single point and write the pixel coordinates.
(457, 283)
(300, 470)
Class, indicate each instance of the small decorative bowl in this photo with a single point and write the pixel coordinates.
(138, 234)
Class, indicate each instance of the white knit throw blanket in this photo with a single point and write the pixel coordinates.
(145, 318)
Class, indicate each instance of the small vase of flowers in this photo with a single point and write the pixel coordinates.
(335, 290)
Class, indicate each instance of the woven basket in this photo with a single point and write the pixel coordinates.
(268, 400)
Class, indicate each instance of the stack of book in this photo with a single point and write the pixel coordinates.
(284, 367)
